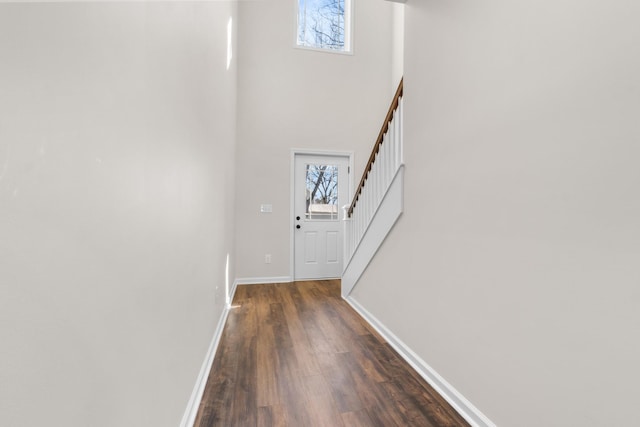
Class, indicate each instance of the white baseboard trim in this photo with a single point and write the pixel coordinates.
(261, 280)
(440, 385)
(189, 417)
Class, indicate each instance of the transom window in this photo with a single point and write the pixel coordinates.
(324, 24)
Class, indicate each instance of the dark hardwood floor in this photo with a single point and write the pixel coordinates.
(296, 354)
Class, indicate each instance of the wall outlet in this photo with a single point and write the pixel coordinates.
(267, 258)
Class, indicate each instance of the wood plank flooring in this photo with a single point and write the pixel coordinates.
(296, 354)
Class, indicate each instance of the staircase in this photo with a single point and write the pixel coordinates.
(377, 203)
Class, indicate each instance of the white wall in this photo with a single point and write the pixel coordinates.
(397, 47)
(514, 271)
(291, 97)
(116, 207)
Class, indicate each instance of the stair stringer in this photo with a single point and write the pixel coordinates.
(383, 221)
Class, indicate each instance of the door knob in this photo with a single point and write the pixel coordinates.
(298, 226)
(297, 218)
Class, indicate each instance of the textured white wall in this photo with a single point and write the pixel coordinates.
(116, 196)
(515, 269)
(289, 97)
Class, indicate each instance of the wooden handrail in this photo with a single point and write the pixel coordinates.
(376, 147)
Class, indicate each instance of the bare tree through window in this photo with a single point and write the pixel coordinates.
(322, 192)
(321, 24)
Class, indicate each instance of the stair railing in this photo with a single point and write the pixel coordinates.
(384, 162)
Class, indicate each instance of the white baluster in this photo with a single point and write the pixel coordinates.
(398, 139)
(378, 171)
(345, 235)
(399, 130)
(352, 234)
(372, 203)
(365, 203)
(390, 153)
(363, 217)
(392, 163)
(401, 104)
(372, 195)
(354, 229)
(369, 200)
(374, 182)
(384, 159)
(375, 171)
(360, 210)
(389, 160)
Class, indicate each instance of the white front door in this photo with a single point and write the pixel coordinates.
(321, 186)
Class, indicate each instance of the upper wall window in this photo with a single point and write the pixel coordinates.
(324, 24)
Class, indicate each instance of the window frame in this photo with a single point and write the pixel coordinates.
(349, 14)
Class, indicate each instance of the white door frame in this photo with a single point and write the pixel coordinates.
(292, 212)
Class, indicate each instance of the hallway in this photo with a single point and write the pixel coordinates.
(296, 354)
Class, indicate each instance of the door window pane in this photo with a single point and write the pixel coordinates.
(322, 192)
